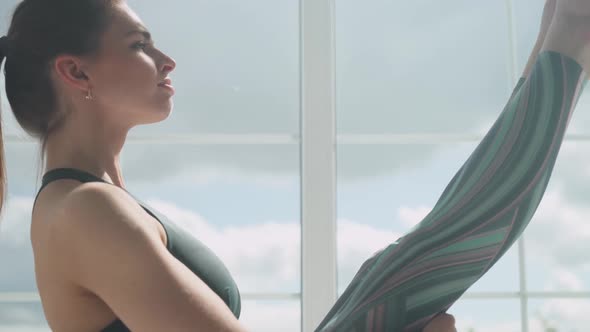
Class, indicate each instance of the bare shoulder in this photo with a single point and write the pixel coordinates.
(117, 254)
(98, 211)
(101, 216)
(94, 199)
(96, 206)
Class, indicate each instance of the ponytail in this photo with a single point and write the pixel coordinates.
(3, 51)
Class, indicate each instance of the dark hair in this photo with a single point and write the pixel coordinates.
(39, 31)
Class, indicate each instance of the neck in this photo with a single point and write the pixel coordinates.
(89, 148)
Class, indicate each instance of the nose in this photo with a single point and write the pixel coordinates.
(168, 65)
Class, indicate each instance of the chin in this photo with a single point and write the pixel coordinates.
(163, 114)
(165, 107)
(156, 115)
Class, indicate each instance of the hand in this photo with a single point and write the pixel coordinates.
(441, 323)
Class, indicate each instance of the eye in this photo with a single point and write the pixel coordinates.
(140, 45)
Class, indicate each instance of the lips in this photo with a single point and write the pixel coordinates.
(166, 82)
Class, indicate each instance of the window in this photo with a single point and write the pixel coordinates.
(414, 87)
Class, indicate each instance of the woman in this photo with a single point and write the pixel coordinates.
(81, 73)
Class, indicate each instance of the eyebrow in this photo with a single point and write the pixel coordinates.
(145, 33)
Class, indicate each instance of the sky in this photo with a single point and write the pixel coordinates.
(420, 67)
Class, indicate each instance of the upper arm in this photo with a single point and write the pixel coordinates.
(118, 255)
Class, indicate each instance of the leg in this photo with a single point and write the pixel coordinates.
(482, 211)
(546, 19)
(569, 33)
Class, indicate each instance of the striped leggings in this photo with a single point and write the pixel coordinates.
(482, 211)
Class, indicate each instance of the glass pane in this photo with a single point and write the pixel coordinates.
(487, 315)
(6, 8)
(271, 316)
(503, 276)
(237, 65)
(559, 314)
(22, 317)
(558, 238)
(384, 190)
(527, 16)
(421, 66)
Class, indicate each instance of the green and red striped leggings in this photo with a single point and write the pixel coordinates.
(482, 211)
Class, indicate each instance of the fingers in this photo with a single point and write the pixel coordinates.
(441, 323)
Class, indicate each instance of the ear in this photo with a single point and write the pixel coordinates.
(70, 70)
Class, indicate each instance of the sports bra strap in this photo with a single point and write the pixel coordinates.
(68, 173)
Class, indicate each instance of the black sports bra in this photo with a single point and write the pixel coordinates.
(184, 246)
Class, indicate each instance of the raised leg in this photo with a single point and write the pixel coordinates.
(486, 206)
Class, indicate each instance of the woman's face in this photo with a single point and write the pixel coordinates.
(126, 74)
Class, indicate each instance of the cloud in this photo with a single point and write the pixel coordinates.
(581, 118)
(261, 257)
(561, 279)
(559, 233)
(268, 250)
(15, 247)
(24, 328)
(356, 243)
(469, 324)
(20, 314)
(216, 175)
(562, 314)
(286, 316)
(15, 222)
(265, 256)
(412, 216)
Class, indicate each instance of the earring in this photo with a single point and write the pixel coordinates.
(89, 95)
